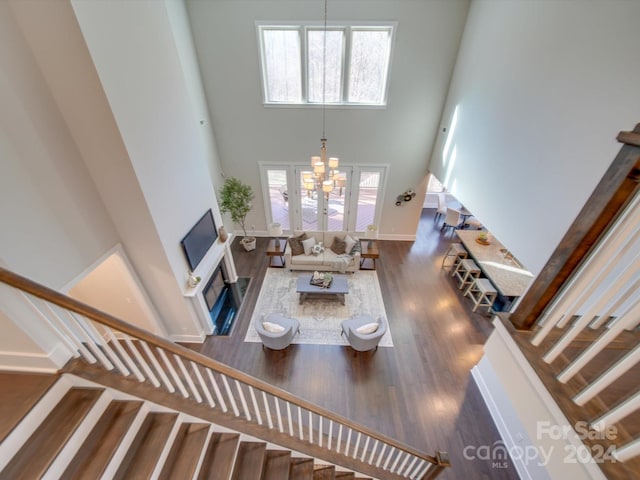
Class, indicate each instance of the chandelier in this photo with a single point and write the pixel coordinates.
(325, 174)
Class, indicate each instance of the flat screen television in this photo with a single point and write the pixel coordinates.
(197, 242)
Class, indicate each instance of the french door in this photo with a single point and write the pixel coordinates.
(352, 205)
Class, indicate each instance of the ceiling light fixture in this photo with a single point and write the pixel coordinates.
(325, 174)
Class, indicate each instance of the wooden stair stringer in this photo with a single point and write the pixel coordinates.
(148, 392)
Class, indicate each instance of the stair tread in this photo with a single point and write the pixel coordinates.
(146, 448)
(276, 465)
(19, 392)
(35, 456)
(249, 461)
(183, 458)
(218, 460)
(324, 472)
(301, 469)
(346, 476)
(97, 450)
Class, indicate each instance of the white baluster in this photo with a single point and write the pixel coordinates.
(289, 418)
(628, 318)
(384, 447)
(267, 410)
(243, 400)
(203, 385)
(389, 457)
(141, 361)
(628, 451)
(364, 450)
(330, 436)
(404, 463)
(608, 377)
(339, 439)
(355, 450)
(159, 370)
(278, 415)
(310, 426)
(255, 405)
(59, 332)
(187, 377)
(623, 410)
(422, 469)
(373, 452)
(407, 472)
(300, 423)
(173, 373)
(232, 399)
(125, 356)
(320, 422)
(80, 323)
(216, 390)
(347, 444)
(75, 342)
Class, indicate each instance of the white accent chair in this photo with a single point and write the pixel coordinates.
(362, 342)
(277, 340)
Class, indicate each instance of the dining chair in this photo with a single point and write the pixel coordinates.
(451, 220)
(442, 207)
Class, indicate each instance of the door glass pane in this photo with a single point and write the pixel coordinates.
(308, 203)
(336, 218)
(282, 65)
(369, 184)
(279, 197)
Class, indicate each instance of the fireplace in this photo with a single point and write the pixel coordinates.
(219, 300)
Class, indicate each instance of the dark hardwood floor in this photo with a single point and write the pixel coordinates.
(420, 391)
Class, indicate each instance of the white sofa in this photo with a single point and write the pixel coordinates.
(325, 261)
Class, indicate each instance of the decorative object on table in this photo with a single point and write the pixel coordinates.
(372, 234)
(236, 200)
(407, 196)
(193, 280)
(222, 233)
(321, 279)
(275, 230)
(483, 238)
(325, 174)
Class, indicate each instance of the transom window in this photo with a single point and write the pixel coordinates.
(356, 58)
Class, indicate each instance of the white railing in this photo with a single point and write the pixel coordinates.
(603, 295)
(128, 351)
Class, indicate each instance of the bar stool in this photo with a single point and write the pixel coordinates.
(458, 252)
(466, 271)
(482, 293)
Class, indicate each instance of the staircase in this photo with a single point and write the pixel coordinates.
(78, 431)
(184, 387)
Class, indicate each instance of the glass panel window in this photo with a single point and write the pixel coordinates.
(368, 66)
(282, 73)
(333, 66)
(293, 57)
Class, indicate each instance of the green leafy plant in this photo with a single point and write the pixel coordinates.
(235, 199)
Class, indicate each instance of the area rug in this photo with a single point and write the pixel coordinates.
(319, 319)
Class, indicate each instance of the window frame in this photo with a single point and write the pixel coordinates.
(303, 28)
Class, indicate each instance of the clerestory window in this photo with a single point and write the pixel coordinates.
(356, 60)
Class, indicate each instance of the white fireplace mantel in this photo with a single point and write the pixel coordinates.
(209, 263)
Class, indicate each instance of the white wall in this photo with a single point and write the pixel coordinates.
(150, 81)
(542, 89)
(400, 135)
(53, 222)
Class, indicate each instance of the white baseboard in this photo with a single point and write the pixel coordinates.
(200, 338)
(35, 362)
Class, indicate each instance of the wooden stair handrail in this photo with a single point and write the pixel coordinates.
(45, 293)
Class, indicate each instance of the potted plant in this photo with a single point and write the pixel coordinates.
(235, 199)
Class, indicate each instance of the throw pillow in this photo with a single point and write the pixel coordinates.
(296, 244)
(349, 243)
(338, 246)
(367, 328)
(272, 327)
(308, 245)
(356, 248)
